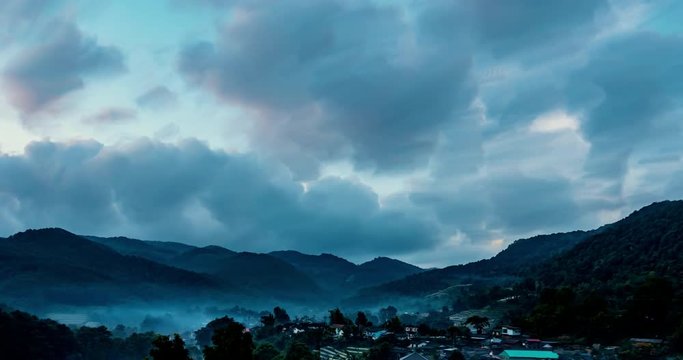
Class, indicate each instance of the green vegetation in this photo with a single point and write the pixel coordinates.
(24, 336)
(164, 348)
(230, 341)
(479, 322)
(624, 280)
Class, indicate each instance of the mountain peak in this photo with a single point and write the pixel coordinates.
(387, 261)
(30, 233)
(213, 250)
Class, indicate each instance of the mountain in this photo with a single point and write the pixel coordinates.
(259, 274)
(506, 265)
(209, 259)
(159, 251)
(621, 282)
(57, 266)
(329, 271)
(334, 273)
(381, 270)
(647, 242)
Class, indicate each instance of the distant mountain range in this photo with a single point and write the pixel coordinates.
(59, 267)
(335, 273)
(56, 266)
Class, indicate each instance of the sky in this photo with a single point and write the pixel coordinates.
(436, 132)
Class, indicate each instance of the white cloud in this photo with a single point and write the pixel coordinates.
(555, 121)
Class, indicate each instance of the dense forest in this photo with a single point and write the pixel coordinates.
(623, 281)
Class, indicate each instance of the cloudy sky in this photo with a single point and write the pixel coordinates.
(433, 131)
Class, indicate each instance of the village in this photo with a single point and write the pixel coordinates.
(462, 335)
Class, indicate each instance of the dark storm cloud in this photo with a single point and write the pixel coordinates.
(157, 98)
(524, 204)
(504, 203)
(392, 87)
(40, 75)
(628, 87)
(112, 115)
(364, 74)
(190, 192)
(19, 16)
(54, 184)
(508, 27)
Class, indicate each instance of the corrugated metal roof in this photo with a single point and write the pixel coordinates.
(531, 354)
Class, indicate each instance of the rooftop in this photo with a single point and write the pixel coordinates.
(530, 354)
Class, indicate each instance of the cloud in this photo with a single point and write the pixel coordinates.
(112, 115)
(628, 101)
(367, 78)
(507, 28)
(159, 97)
(19, 16)
(191, 193)
(39, 76)
(524, 204)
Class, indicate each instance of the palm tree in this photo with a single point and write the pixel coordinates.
(479, 322)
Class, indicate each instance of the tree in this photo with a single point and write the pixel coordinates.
(387, 313)
(456, 355)
(230, 342)
(268, 320)
(649, 308)
(361, 319)
(380, 352)
(95, 342)
(24, 336)
(205, 334)
(479, 322)
(135, 346)
(163, 348)
(281, 316)
(336, 317)
(394, 325)
(677, 339)
(424, 329)
(455, 332)
(299, 351)
(265, 351)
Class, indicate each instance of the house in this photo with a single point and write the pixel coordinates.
(330, 353)
(374, 335)
(641, 342)
(532, 344)
(411, 331)
(528, 355)
(414, 356)
(510, 331)
(338, 330)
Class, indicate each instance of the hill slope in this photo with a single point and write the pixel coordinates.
(328, 271)
(257, 274)
(58, 266)
(647, 242)
(158, 251)
(506, 265)
(381, 270)
(334, 273)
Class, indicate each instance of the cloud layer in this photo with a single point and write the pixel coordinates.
(40, 75)
(438, 131)
(191, 193)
